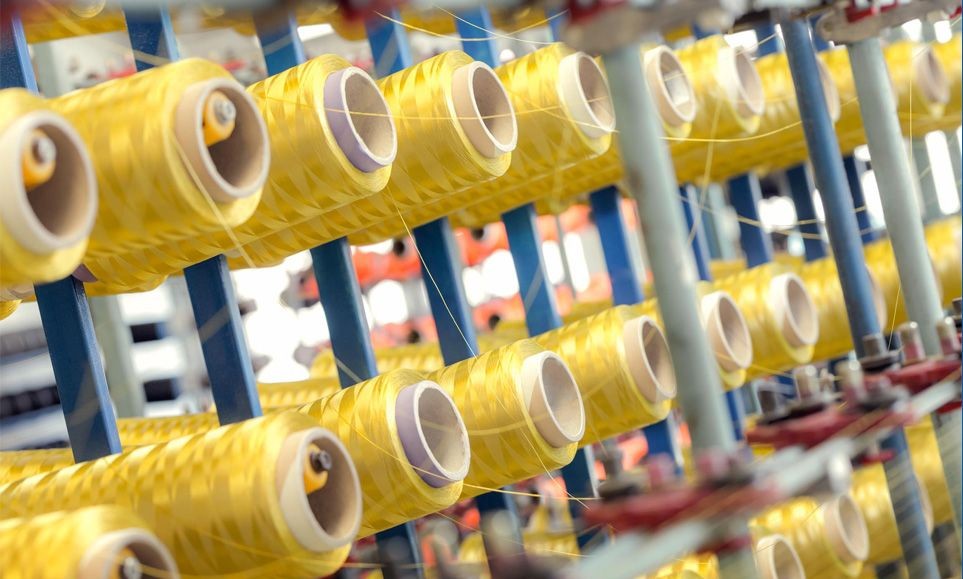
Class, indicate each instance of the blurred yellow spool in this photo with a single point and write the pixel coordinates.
(623, 369)
(332, 142)
(871, 493)
(8, 307)
(250, 518)
(564, 110)
(281, 394)
(831, 539)
(48, 196)
(90, 542)
(944, 239)
(523, 413)
(925, 454)
(449, 100)
(18, 464)
(46, 21)
(700, 566)
(882, 264)
(782, 319)
(159, 183)
(822, 282)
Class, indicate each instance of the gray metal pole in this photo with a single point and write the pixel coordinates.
(896, 187)
(929, 198)
(113, 335)
(956, 160)
(651, 181)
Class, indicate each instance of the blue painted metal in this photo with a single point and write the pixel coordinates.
(831, 180)
(84, 398)
(64, 312)
(538, 296)
(280, 43)
(152, 37)
(819, 43)
(854, 173)
(800, 188)
(226, 358)
(441, 269)
(697, 236)
(209, 284)
(626, 288)
(713, 234)
(556, 22)
(767, 40)
(389, 44)
(744, 196)
(473, 25)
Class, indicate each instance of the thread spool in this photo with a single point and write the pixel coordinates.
(54, 21)
(777, 559)
(48, 194)
(871, 495)
(332, 139)
(822, 282)
(161, 183)
(20, 464)
(831, 539)
(522, 409)
(697, 566)
(450, 100)
(944, 240)
(8, 307)
(881, 262)
(253, 519)
(89, 543)
(284, 394)
(925, 455)
(623, 369)
(780, 314)
(920, 82)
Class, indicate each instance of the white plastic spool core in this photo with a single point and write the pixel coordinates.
(360, 119)
(846, 529)
(740, 80)
(553, 399)
(777, 559)
(930, 76)
(151, 557)
(484, 111)
(728, 331)
(432, 434)
(330, 517)
(794, 310)
(236, 167)
(670, 86)
(59, 213)
(584, 91)
(648, 358)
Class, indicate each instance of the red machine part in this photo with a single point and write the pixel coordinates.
(819, 427)
(918, 377)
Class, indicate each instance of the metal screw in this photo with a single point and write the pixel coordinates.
(660, 470)
(713, 464)
(43, 149)
(771, 402)
(827, 382)
(874, 345)
(851, 382)
(807, 382)
(912, 343)
(224, 111)
(876, 354)
(320, 461)
(949, 338)
(130, 568)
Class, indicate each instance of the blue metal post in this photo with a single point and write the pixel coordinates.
(831, 180)
(64, 312)
(854, 174)
(767, 40)
(800, 188)
(744, 196)
(209, 282)
(627, 290)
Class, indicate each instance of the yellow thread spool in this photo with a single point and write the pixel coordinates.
(449, 100)
(565, 116)
(944, 239)
(925, 455)
(700, 566)
(90, 542)
(831, 538)
(7, 307)
(250, 518)
(780, 314)
(19, 464)
(882, 264)
(47, 212)
(53, 20)
(282, 394)
(623, 369)
(822, 282)
(162, 190)
(871, 494)
(522, 409)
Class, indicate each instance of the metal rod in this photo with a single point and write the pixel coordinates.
(929, 197)
(830, 178)
(896, 188)
(623, 275)
(113, 334)
(64, 313)
(854, 175)
(800, 189)
(744, 196)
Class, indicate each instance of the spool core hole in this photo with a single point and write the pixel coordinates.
(370, 116)
(658, 358)
(494, 108)
(444, 432)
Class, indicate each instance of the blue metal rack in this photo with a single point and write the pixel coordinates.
(854, 175)
(800, 189)
(216, 313)
(744, 196)
(64, 312)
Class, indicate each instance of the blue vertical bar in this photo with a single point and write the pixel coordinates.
(534, 287)
(831, 180)
(64, 312)
(854, 175)
(441, 270)
(474, 25)
(800, 188)
(218, 322)
(767, 40)
(209, 284)
(389, 44)
(744, 196)
(556, 22)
